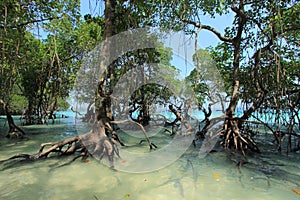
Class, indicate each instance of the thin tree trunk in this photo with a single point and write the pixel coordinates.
(14, 131)
(103, 100)
(233, 137)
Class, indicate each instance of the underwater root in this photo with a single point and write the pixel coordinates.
(93, 143)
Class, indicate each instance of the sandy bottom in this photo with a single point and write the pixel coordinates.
(152, 176)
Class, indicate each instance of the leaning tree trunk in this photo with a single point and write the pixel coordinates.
(95, 143)
(233, 137)
(14, 131)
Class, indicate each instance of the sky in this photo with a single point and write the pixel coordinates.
(183, 47)
(182, 58)
(205, 37)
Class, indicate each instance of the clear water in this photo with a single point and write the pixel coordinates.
(266, 176)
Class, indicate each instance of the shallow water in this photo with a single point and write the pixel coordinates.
(266, 176)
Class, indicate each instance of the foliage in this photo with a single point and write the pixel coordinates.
(150, 78)
(252, 57)
(257, 56)
(18, 103)
(259, 49)
(62, 104)
(43, 69)
(205, 79)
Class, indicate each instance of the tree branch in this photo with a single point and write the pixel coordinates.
(209, 28)
(26, 23)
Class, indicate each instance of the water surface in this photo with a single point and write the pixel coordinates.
(267, 176)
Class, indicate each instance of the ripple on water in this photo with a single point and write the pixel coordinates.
(213, 177)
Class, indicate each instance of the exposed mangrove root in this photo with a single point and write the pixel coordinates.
(151, 145)
(278, 134)
(94, 143)
(183, 123)
(174, 130)
(14, 131)
(200, 134)
(234, 138)
(177, 114)
(115, 137)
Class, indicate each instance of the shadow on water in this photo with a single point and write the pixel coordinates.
(268, 176)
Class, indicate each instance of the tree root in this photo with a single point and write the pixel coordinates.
(94, 143)
(208, 125)
(14, 131)
(234, 138)
(151, 145)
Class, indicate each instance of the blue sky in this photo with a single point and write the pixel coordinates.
(205, 37)
(182, 50)
(182, 60)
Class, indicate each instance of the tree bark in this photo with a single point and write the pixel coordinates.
(94, 143)
(14, 131)
(233, 137)
(103, 99)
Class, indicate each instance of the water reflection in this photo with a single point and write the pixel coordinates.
(265, 176)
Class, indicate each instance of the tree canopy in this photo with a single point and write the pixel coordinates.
(43, 46)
